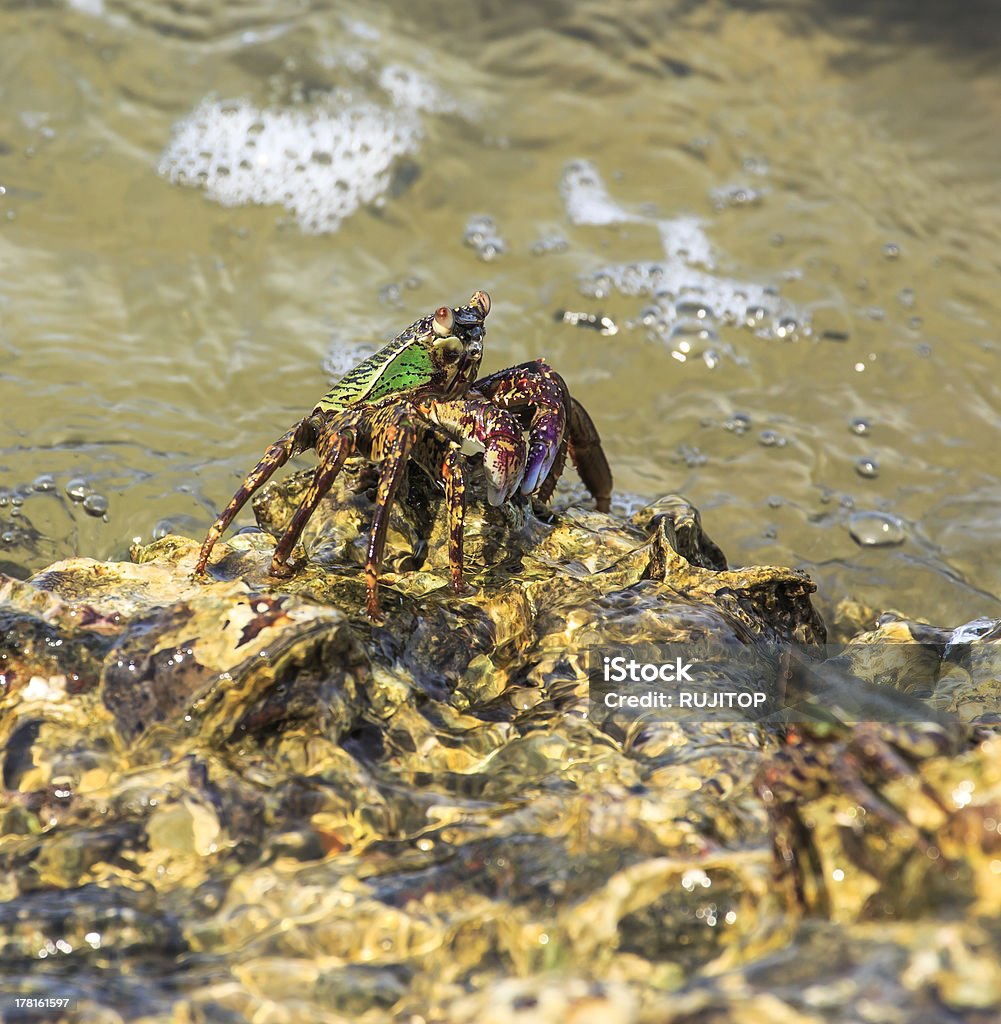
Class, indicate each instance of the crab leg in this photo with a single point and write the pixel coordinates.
(301, 437)
(331, 455)
(587, 456)
(398, 437)
(454, 472)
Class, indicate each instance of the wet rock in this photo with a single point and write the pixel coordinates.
(368, 821)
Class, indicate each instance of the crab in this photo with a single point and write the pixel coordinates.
(419, 394)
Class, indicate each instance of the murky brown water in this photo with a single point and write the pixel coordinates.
(821, 185)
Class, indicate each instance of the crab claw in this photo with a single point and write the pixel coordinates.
(545, 437)
(504, 457)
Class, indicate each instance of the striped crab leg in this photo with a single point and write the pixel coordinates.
(300, 438)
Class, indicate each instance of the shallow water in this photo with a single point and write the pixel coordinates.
(809, 193)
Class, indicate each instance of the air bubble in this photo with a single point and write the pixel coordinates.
(860, 426)
(771, 439)
(693, 308)
(95, 505)
(877, 529)
(77, 489)
(481, 235)
(690, 337)
(867, 467)
(891, 250)
(786, 327)
(738, 423)
(45, 482)
(734, 196)
(693, 457)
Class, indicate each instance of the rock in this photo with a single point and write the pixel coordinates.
(381, 821)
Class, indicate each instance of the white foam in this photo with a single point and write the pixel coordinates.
(687, 271)
(95, 8)
(412, 90)
(586, 199)
(683, 239)
(321, 163)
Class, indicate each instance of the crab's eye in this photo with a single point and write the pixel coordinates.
(480, 301)
(444, 319)
(449, 350)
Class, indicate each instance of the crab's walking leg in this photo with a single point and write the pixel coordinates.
(588, 456)
(301, 437)
(454, 471)
(396, 441)
(332, 451)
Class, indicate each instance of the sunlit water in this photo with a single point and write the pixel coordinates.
(788, 214)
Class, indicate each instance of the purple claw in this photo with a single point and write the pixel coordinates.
(546, 435)
(504, 463)
(504, 455)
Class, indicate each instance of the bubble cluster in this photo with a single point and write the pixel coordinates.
(481, 235)
(739, 423)
(79, 491)
(549, 244)
(590, 321)
(686, 277)
(586, 199)
(33, 514)
(392, 293)
(320, 162)
(771, 439)
(410, 89)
